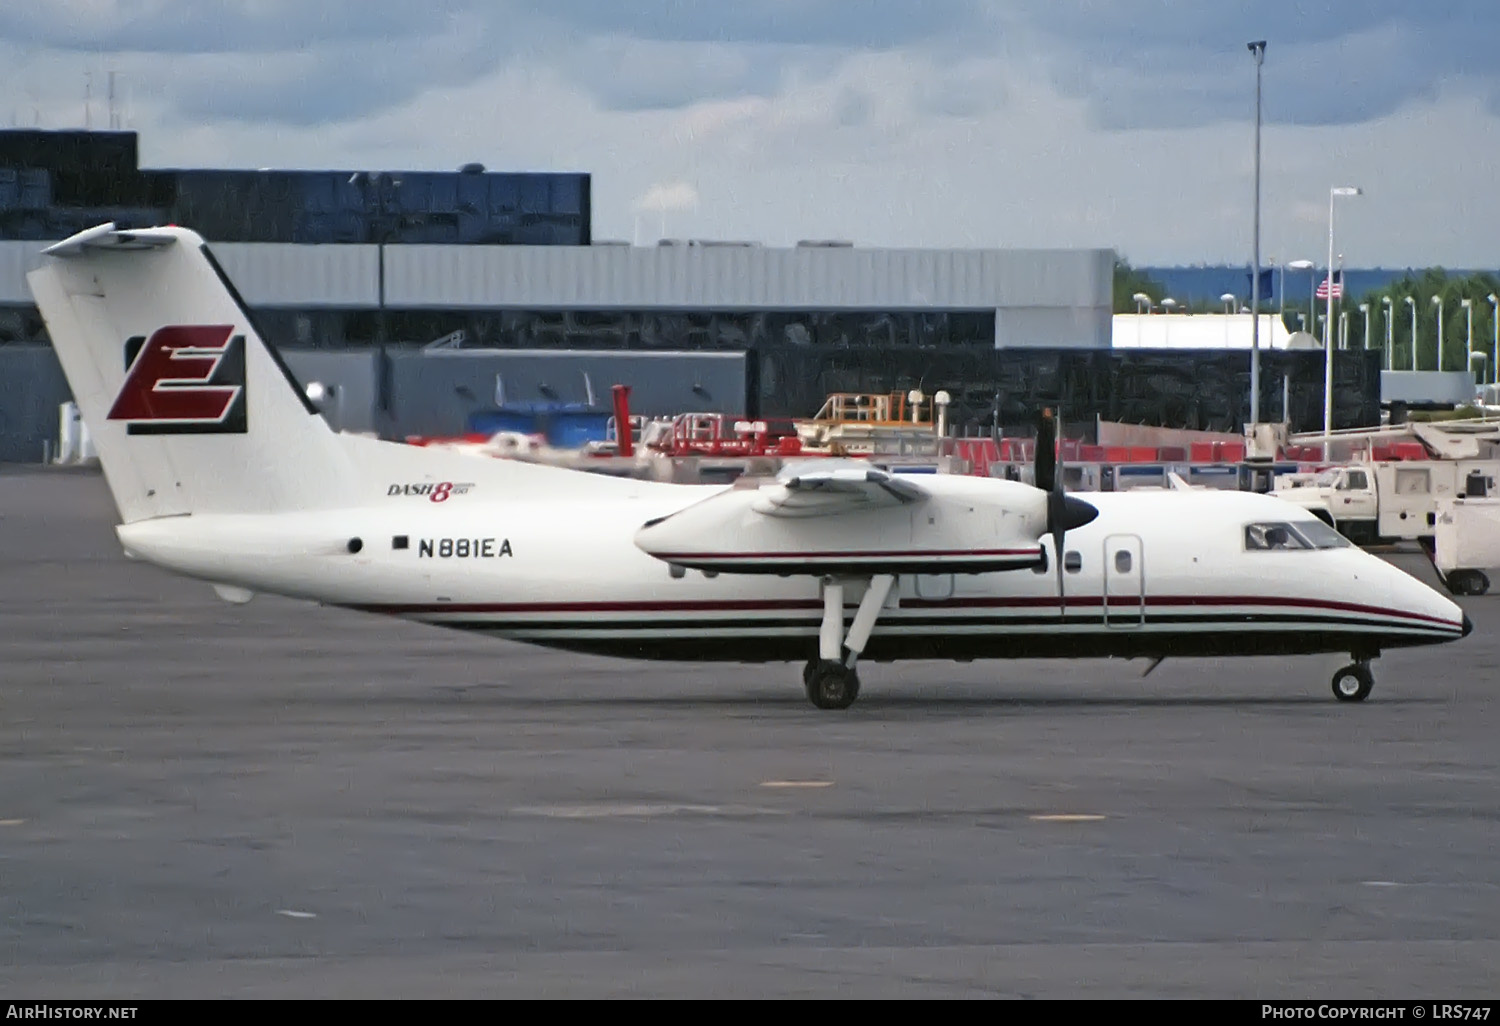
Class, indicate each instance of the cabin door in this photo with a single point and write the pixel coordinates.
(1124, 582)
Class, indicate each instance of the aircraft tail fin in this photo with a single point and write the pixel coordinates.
(191, 411)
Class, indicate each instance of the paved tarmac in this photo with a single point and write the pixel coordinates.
(280, 800)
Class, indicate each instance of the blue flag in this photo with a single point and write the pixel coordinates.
(1267, 283)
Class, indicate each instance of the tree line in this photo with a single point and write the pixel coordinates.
(1393, 322)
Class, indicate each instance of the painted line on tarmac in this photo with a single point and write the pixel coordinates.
(796, 783)
(639, 810)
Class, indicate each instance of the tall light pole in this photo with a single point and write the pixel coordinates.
(1437, 301)
(380, 186)
(1413, 304)
(1390, 333)
(1333, 193)
(1364, 308)
(1258, 51)
(1142, 304)
(1495, 320)
(1468, 307)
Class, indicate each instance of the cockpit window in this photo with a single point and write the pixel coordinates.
(1309, 534)
(1272, 536)
(1320, 535)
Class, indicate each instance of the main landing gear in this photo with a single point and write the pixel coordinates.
(1352, 683)
(831, 680)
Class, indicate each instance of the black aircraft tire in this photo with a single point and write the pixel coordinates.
(832, 686)
(1352, 683)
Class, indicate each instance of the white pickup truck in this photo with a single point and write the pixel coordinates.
(1388, 501)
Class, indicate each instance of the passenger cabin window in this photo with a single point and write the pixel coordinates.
(1355, 480)
(1303, 535)
(1122, 561)
(1073, 562)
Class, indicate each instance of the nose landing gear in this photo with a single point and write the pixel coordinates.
(831, 680)
(1352, 683)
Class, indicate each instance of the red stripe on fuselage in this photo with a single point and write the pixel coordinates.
(1028, 602)
(864, 554)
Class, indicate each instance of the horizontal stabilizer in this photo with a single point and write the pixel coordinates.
(107, 236)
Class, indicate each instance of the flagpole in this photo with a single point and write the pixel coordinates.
(1333, 193)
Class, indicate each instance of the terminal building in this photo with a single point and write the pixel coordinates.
(424, 299)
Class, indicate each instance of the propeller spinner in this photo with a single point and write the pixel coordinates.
(1064, 512)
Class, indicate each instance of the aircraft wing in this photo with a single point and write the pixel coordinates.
(847, 517)
(830, 488)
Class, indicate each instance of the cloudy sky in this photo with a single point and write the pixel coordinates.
(1119, 123)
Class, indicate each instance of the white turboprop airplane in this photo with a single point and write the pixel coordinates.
(222, 470)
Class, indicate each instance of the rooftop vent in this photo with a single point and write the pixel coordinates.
(471, 169)
(721, 242)
(825, 243)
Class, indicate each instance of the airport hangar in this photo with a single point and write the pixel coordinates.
(425, 298)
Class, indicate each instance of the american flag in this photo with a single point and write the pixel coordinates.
(1338, 286)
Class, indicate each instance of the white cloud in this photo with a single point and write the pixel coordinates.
(999, 137)
(668, 196)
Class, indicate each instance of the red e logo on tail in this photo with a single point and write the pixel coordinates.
(184, 379)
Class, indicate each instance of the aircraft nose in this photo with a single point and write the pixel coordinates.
(1468, 626)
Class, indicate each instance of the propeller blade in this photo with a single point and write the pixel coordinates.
(1046, 476)
(1062, 593)
(1064, 512)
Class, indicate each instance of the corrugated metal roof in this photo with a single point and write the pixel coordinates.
(16, 258)
(282, 274)
(266, 274)
(614, 277)
(745, 277)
